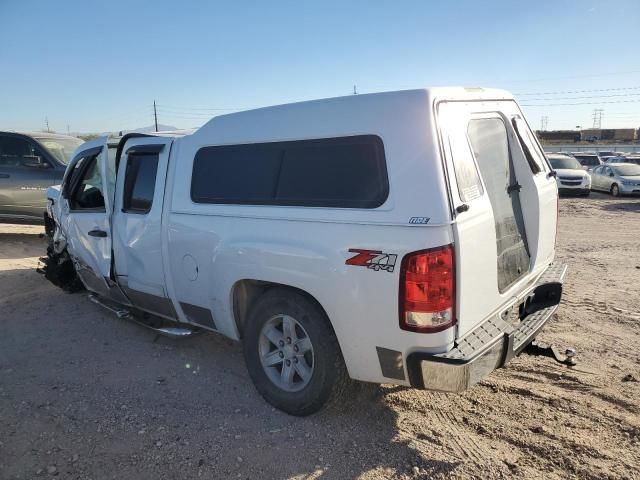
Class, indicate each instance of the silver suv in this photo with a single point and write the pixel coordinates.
(29, 164)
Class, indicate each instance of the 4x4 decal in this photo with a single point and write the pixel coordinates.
(373, 259)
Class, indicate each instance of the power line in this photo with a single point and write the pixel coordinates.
(581, 91)
(577, 103)
(217, 109)
(578, 98)
(190, 114)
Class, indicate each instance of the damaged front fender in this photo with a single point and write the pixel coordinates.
(57, 266)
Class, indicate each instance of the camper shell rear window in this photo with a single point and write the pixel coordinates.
(342, 172)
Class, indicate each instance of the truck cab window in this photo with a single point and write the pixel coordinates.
(140, 182)
(88, 193)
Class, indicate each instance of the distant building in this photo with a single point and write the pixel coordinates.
(558, 135)
(609, 134)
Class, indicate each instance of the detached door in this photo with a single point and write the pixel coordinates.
(86, 217)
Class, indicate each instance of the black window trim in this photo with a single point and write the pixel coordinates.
(76, 185)
(127, 190)
(149, 148)
(381, 164)
(533, 165)
(67, 188)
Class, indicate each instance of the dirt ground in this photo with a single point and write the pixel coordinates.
(84, 395)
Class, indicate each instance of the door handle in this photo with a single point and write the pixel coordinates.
(98, 233)
(462, 208)
(4, 175)
(516, 187)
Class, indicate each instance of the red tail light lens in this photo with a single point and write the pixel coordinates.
(427, 290)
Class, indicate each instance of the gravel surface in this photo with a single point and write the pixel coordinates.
(84, 395)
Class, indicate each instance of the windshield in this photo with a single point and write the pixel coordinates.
(588, 160)
(626, 169)
(61, 148)
(564, 163)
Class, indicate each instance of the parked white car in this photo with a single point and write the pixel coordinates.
(402, 237)
(572, 179)
(617, 179)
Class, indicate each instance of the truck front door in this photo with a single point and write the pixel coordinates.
(85, 217)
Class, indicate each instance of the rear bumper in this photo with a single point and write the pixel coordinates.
(490, 345)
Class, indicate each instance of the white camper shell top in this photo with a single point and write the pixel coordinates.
(400, 119)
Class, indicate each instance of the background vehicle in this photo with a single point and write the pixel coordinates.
(29, 164)
(332, 242)
(570, 176)
(606, 153)
(617, 179)
(587, 160)
(615, 159)
(635, 160)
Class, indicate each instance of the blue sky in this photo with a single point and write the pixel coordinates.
(99, 67)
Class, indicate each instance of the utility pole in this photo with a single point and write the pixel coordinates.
(46, 122)
(155, 114)
(68, 130)
(355, 92)
(544, 121)
(597, 117)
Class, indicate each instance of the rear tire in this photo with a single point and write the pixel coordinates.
(286, 327)
(615, 190)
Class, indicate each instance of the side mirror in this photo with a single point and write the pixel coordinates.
(611, 174)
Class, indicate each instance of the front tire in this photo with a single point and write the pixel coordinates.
(615, 190)
(292, 353)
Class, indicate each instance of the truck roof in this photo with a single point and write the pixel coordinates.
(371, 99)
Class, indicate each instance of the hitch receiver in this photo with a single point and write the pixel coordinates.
(552, 351)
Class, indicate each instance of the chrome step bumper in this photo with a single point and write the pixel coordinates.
(489, 346)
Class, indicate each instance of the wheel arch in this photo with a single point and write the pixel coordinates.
(246, 292)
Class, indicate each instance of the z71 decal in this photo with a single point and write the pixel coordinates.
(373, 259)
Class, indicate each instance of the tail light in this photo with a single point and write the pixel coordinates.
(427, 290)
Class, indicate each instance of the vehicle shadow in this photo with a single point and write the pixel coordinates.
(623, 204)
(361, 435)
(175, 408)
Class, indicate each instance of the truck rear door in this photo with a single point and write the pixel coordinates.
(505, 205)
(137, 222)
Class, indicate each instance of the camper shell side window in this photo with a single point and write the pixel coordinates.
(342, 172)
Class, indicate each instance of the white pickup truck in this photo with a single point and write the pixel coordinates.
(403, 237)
